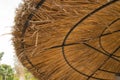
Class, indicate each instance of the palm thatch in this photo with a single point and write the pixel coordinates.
(69, 39)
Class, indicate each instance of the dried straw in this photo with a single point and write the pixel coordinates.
(69, 39)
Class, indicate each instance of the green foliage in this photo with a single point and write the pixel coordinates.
(16, 77)
(0, 77)
(1, 55)
(29, 76)
(6, 72)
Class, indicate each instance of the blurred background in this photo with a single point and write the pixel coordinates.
(10, 67)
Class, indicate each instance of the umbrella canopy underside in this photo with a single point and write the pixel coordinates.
(69, 39)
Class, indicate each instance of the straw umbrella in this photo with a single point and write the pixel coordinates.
(69, 39)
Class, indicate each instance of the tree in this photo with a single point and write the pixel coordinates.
(6, 72)
(21, 72)
(29, 76)
(1, 55)
(19, 69)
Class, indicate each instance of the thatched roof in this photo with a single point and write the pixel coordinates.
(69, 39)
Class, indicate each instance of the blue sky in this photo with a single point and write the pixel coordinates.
(7, 14)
